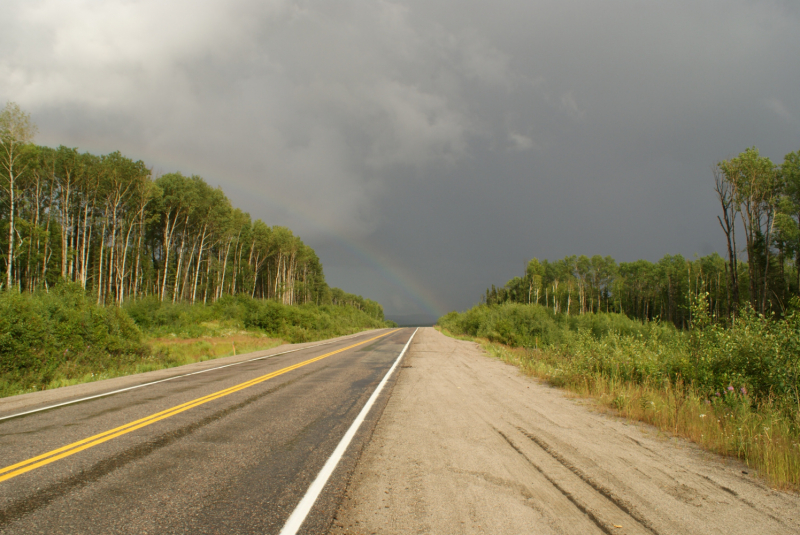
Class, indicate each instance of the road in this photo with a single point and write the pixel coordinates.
(466, 444)
(230, 450)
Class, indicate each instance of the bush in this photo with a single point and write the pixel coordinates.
(294, 323)
(306, 322)
(62, 333)
(160, 318)
(534, 326)
(757, 357)
(50, 339)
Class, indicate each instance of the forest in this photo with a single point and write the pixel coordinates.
(108, 270)
(757, 198)
(106, 223)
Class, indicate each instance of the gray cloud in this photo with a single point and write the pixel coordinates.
(426, 149)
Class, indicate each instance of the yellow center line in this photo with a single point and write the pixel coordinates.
(70, 449)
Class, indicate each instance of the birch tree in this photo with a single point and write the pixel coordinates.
(16, 132)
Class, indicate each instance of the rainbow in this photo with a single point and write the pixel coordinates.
(392, 274)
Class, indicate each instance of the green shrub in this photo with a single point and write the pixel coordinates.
(62, 332)
(521, 325)
(54, 338)
(294, 323)
(757, 357)
(306, 322)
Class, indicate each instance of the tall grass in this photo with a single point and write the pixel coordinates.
(733, 391)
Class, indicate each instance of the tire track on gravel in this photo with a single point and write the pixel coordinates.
(621, 504)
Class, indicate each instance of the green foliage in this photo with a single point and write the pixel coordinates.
(61, 333)
(534, 326)
(63, 337)
(293, 323)
(757, 357)
(642, 290)
(307, 322)
(158, 318)
(755, 196)
(102, 221)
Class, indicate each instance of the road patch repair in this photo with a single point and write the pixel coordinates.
(466, 444)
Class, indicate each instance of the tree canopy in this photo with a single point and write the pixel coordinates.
(756, 196)
(106, 223)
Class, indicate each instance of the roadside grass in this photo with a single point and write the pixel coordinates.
(164, 352)
(763, 434)
(62, 337)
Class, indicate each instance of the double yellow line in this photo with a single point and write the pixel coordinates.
(65, 451)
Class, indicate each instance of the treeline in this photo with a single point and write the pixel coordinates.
(645, 290)
(760, 199)
(106, 223)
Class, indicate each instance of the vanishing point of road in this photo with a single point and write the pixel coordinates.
(257, 444)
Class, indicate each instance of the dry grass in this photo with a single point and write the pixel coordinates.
(211, 347)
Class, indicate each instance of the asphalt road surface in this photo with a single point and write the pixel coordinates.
(229, 450)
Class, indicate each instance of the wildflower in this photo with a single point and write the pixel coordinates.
(743, 391)
(730, 388)
(717, 394)
(702, 416)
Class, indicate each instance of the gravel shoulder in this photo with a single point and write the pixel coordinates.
(466, 444)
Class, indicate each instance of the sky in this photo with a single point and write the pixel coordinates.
(426, 149)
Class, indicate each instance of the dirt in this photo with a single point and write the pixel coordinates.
(467, 444)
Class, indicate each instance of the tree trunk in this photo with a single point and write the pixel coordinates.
(100, 265)
(199, 259)
(10, 225)
(180, 258)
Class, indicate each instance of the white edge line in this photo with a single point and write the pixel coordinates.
(171, 378)
(300, 512)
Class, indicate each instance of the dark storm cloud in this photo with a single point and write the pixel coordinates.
(426, 149)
